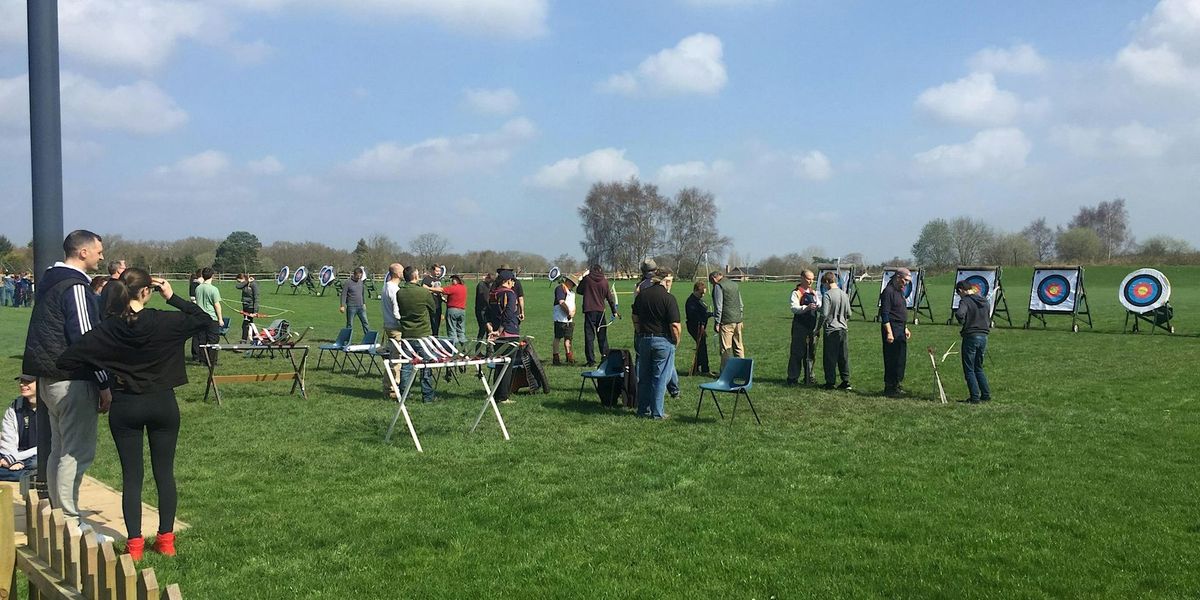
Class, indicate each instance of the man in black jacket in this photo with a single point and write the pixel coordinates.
(893, 316)
(72, 401)
(973, 313)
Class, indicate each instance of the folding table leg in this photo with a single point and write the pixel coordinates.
(491, 401)
(401, 397)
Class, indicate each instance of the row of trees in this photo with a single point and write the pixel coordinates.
(626, 222)
(1094, 234)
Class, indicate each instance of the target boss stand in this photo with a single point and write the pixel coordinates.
(1059, 290)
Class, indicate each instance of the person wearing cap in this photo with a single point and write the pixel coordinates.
(564, 318)
(507, 269)
(18, 434)
(893, 319)
(432, 281)
(648, 268)
(657, 329)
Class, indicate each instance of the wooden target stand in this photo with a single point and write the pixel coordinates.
(999, 302)
(1080, 310)
(296, 375)
(920, 303)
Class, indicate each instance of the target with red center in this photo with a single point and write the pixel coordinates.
(327, 275)
(300, 275)
(910, 288)
(1144, 290)
(1054, 290)
(282, 276)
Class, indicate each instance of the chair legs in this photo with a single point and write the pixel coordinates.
(714, 398)
(737, 396)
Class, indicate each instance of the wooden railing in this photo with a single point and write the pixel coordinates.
(62, 564)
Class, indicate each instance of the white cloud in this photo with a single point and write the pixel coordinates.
(198, 167)
(1132, 140)
(140, 107)
(605, 164)
(814, 166)
(693, 172)
(973, 100)
(140, 34)
(507, 18)
(441, 156)
(693, 66)
(267, 165)
(1166, 49)
(1021, 59)
(991, 153)
(501, 101)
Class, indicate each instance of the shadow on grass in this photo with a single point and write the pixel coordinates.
(585, 406)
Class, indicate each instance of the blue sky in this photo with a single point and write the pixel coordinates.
(838, 125)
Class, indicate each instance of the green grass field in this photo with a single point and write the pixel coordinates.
(1079, 480)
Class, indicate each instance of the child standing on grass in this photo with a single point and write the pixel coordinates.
(143, 347)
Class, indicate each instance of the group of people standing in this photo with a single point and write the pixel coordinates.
(16, 289)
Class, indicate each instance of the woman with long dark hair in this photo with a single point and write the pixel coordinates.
(143, 348)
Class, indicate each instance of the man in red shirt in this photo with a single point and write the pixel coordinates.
(456, 309)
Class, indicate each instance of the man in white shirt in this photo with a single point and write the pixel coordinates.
(806, 308)
(391, 313)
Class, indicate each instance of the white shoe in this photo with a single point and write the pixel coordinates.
(85, 529)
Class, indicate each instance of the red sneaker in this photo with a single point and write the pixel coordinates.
(165, 544)
(135, 547)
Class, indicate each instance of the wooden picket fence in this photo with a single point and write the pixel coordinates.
(62, 564)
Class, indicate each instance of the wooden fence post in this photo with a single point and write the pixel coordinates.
(8, 545)
(89, 553)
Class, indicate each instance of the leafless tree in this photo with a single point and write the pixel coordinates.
(970, 238)
(429, 248)
(622, 223)
(1042, 237)
(1110, 221)
(691, 231)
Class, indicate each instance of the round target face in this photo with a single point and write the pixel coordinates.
(1144, 290)
(554, 273)
(979, 284)
(282, 276)
(1054, 290)
(300, 275)
(327, 275)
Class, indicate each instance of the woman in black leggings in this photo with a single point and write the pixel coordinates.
(143, 348)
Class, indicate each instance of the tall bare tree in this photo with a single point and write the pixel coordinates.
(1110, 221)
(1042, 237)
(971, 238)
(622, 223)
(429, 248)
(691, 230)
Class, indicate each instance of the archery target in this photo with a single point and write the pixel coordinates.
(1054, 290)
(1144, 290)
(366, 276)
(327, 275)
(282, 276)
(440, 272)
(554, 273)
(985, 281)
(910, 288)
(844, 275)
(300, 275)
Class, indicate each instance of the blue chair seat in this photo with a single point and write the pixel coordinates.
(338, 345)
(737, 377)
(613, 367)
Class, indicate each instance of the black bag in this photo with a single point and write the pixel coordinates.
(611, 389)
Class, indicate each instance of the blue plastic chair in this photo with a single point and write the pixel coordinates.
(736, 378)
(612, 368)
(339, 344)
(224, 329)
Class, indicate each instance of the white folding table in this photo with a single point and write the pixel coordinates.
(393, 368)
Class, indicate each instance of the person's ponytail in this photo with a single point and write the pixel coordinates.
(127, 288)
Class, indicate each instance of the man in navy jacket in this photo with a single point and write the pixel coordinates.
(66, 309)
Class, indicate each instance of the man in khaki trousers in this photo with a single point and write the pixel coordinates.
(727, 316)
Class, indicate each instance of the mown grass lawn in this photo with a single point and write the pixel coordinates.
(1079, 480)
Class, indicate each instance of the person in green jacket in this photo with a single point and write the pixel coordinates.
(416, 305)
